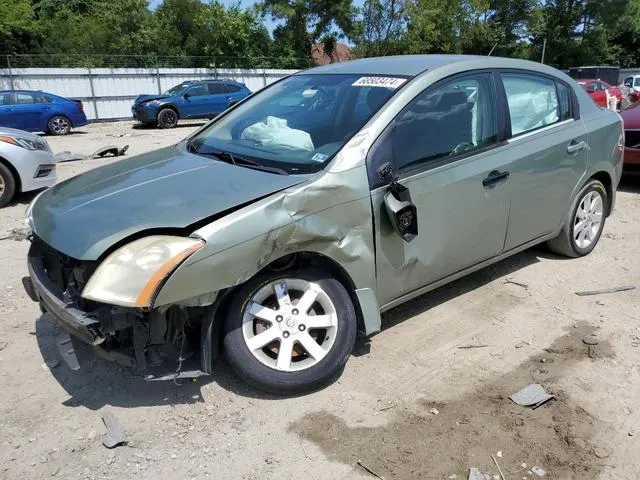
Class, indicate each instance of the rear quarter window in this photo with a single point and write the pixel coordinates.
(232, 88)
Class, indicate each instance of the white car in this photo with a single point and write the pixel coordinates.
(632, 82)
(26, 163)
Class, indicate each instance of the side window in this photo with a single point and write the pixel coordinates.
(628, 82)
(27, 98)
(197, 91)
(216, 88)
(564, 101)
(5, 99)
(532, 100)
(601, 86)
(232, 88)
(445, 121)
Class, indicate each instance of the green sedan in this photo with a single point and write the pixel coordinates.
(284, 227)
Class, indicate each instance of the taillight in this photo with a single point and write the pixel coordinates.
(79, 104)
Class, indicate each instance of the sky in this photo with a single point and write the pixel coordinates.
(270, 24)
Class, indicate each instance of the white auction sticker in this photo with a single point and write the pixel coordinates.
(386, 82)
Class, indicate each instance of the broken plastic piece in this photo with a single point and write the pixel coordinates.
(68, 157)
(538, 471)
(475, 474)
(109, 151)
(532, 395)
(116, 434)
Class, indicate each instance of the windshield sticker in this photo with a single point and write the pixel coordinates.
(319, 157)
(386, 82)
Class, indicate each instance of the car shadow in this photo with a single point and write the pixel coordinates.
(26, 197)
(630, 183)
(150, 126)
(99, 382)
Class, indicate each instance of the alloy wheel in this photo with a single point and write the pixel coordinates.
(59, 125)
(588, 220)
(290, 324)
(2, 186)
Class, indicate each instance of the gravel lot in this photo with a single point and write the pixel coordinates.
(417, 401)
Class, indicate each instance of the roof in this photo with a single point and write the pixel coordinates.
(409, 65)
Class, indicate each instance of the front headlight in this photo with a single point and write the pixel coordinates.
(133, 275)
(25, 143)
(152, 103)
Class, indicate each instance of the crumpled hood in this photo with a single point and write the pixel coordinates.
(146, 98)
(168, 188)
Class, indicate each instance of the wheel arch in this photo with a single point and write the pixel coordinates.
(14, 172)
(604, 178)
(170, 106)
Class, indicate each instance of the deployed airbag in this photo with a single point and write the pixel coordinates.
(275, 131)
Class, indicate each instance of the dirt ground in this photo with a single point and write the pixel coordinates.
(427, 398)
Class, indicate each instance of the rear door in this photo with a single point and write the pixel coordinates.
(219, 98)
(548, 145)
(447, 151)
(234, 93)
(7, 119)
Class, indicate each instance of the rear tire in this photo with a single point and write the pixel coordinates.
(59, 125)
(167, 118)
(584, 222)
(301, 349)
(7, 185)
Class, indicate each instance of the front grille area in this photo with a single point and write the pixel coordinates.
(632, 138)
(67, 274)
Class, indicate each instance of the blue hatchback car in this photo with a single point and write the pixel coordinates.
(36, 111)
(191, 99)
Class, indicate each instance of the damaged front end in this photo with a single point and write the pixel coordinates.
(160, 343)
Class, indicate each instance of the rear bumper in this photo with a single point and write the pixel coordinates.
(78, 323)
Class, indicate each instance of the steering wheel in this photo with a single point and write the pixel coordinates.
(461, 148)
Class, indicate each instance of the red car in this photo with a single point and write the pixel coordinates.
(597, 89)
(631, 119)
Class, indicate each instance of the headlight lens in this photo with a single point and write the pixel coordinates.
(152, 103)
(132, 275)
(26, 143)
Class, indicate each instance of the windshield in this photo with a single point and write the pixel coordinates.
(299, 123)
(177, 88)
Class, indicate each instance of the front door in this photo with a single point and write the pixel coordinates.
(445, 148)
(549, 146)
(195, 102)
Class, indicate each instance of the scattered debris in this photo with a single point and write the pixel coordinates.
(523, 343)
(498, 467)
(17, 234)
(591, 340)
(475, 474)
(523, 285)
(499, 454)
(388, 407)
(67, 156)
(606, 290)
(452, 477)
(601, 452)
(109, 151)
(368, 470)
(472, 346)
(538, 471)
(533, 395)
(116, 434)
(434, 411)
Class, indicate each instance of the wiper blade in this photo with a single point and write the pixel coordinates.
(242, 161)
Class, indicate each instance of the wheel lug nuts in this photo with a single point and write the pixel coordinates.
(301, 327)
(294, 311)
(285, 334)
(278, 318)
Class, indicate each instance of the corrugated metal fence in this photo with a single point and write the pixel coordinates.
(108, 93)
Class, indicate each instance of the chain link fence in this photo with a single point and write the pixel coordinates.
(13, 61)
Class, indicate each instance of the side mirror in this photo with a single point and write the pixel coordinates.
(402, 213)
(186, 95)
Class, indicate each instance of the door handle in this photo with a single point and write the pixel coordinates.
(575, 147)
(494, 178)
(45, 109)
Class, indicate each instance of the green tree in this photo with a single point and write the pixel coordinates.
(18, 28)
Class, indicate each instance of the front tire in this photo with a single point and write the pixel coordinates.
(290, 332)
(584, 223)
(167, 118)
(59, 125)
(7, 185)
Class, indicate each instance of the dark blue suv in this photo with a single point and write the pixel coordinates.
(191, 99)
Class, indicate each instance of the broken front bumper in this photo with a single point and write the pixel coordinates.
(77, 322)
